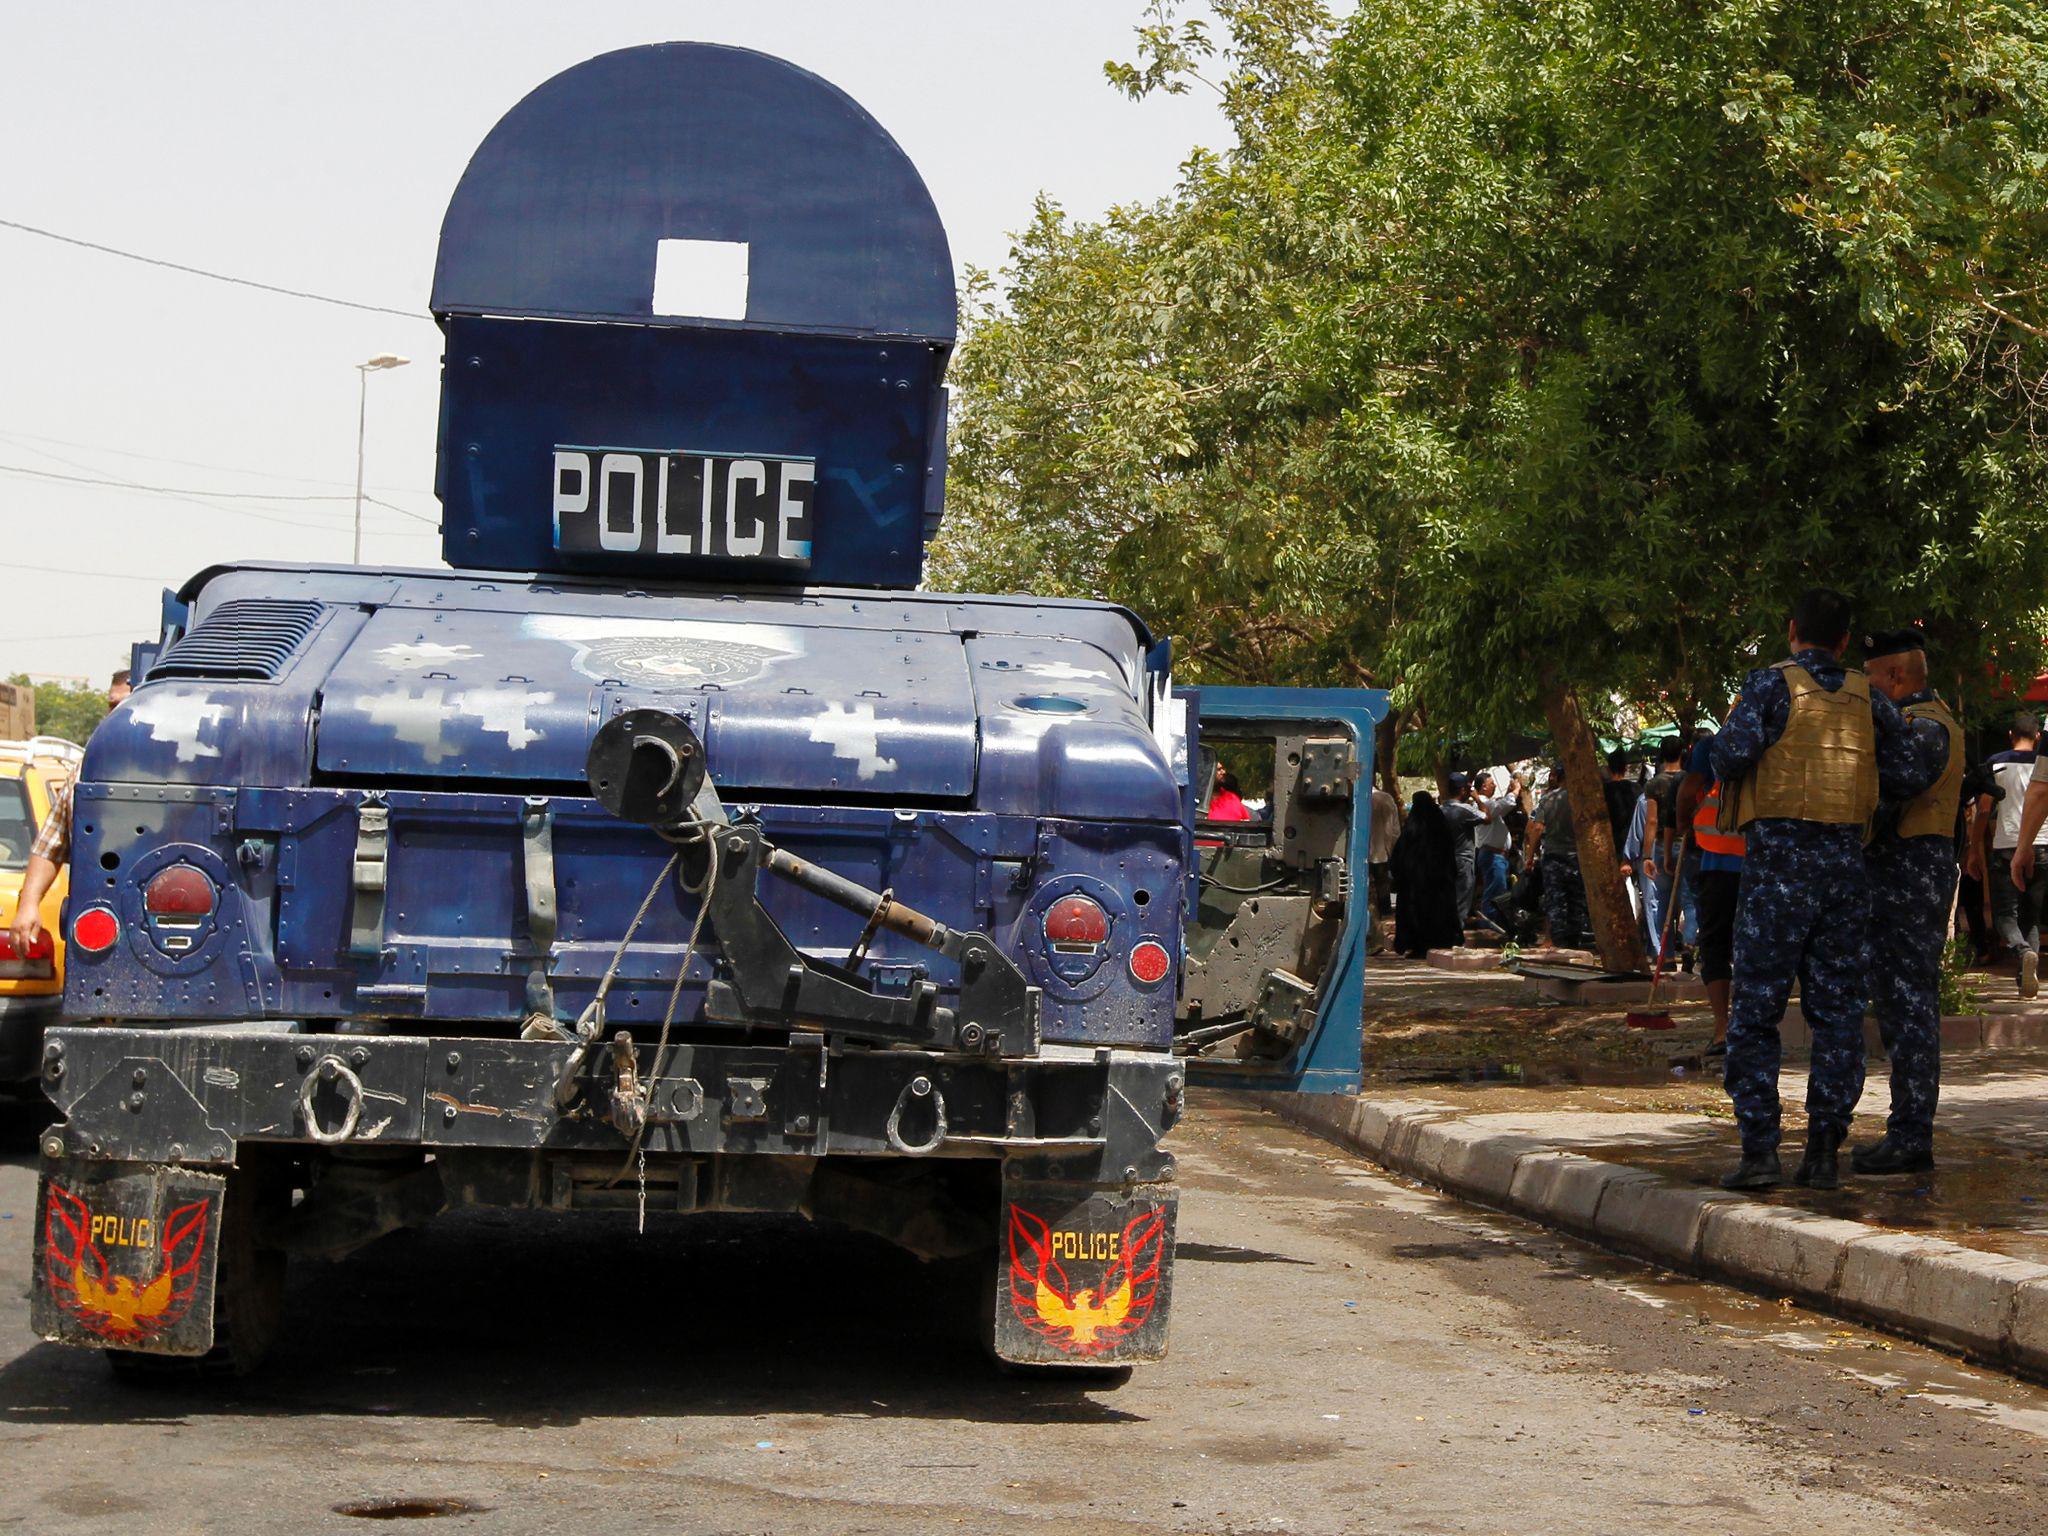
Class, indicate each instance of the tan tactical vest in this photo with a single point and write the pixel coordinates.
(1824, 767)
(1933, 813)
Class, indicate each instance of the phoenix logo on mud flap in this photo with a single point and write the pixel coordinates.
(1050, 1299)
(118, 1307)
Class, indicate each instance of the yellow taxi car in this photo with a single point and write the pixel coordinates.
(31, 985)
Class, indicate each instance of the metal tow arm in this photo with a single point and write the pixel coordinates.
(648, 765)
(371, 877)
(537, 842)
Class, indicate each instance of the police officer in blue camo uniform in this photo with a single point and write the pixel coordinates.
(1911, 862)
(1803, 758)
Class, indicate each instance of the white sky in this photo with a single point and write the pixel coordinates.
(315, 148)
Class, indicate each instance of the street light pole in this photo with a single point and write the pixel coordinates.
(381, 361)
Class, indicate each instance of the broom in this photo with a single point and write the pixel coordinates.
(1650, 1017)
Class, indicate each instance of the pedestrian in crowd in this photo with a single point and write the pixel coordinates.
(1554, 841)
(1973, 895)
(1425, 870)
(1806, 752)
(1521, 909)
(1689, 856)
(1518, 805)
(1491, 842)
(1622, 793)
(47, 856)
(1635, 857)
(1714, 873)
(2026, 860)
(1911, 860)
(1659, 842)
(1995, 836)
(1386, 826)
(1225, 803)
(1466, 815)
(51, 849)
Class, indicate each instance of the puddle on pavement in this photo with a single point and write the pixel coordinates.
(1744, 1321)
(409, 1509)
(1981, 1194)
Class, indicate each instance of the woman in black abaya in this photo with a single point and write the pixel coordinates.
(1425, 872)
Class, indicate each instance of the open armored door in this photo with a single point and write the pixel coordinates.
(1274, 976)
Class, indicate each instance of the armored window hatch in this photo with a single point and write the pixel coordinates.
(243, 639)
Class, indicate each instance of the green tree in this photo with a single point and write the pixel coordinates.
(62, 710)
(1534, 352)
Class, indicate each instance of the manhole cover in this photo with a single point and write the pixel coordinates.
(409, 1509)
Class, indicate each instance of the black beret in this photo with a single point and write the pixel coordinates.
(1893, 642)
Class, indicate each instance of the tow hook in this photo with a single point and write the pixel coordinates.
(629, 1107)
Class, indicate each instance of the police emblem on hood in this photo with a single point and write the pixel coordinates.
(669, 653)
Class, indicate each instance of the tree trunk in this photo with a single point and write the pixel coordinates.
(1388, 753)
(1615, 931)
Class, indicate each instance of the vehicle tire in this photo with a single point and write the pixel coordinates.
(248, 1299)
(1092, 1378)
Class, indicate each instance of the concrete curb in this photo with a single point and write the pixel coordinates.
(1983, 1305)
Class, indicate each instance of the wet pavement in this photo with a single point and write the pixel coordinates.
(1989, 1187)
(1351, 1354)
(1878, 1360)
(1581, 1078)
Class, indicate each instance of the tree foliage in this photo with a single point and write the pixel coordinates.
(62, 710)
(1517, 342)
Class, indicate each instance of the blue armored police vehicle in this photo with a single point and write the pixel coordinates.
(671, 851)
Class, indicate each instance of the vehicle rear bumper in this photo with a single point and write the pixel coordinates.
(23, 1021)
(189, 1095)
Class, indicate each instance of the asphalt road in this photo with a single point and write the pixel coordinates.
(1350, 1355)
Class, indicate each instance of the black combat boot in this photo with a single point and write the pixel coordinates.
(1757, 1170)
(1890, 1156)
(1817, 1169)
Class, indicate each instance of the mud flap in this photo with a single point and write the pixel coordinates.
(1085, 1271)
(125, 1257)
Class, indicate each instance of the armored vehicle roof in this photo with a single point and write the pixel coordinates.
(489, 679)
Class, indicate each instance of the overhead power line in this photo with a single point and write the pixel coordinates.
(218, 277)
(388, 506)
(172, 490)
(94, 634)
(176, 490)
(67, 570)
(212, 495)
(27, 438)
(93, 478)
(211, 501)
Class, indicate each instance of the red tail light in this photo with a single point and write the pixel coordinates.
(1076, 922)
(180, 891)
(95, 929)
(1149, 963)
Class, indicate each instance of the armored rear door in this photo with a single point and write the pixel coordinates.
(1273, 980)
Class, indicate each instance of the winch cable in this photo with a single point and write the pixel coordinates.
(698, 830)
(1211, 883)
(590, 1022)
(595, 1011)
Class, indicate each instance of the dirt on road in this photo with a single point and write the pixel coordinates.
(1350, 1354)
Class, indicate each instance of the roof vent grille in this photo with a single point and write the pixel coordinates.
(245, 639)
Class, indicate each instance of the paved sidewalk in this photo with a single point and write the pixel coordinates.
(1565, 1115)
(1989, 1189)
